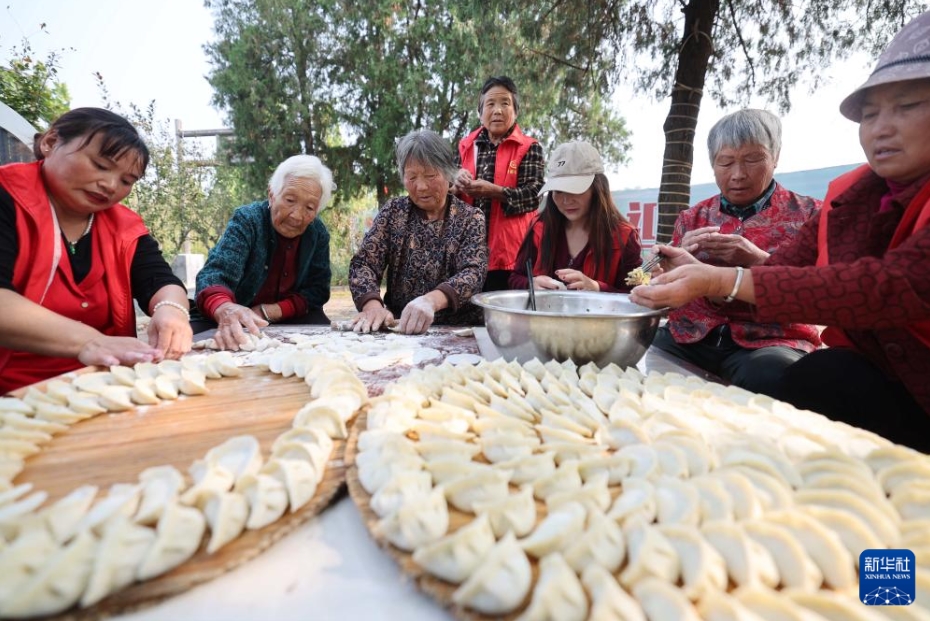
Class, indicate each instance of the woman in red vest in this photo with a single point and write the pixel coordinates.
(501, 174)
(862, 267)
(579, 240)
(72, 258)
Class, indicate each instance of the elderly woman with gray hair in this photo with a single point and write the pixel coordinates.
(741, 226)
(272, 263)
(431, 244)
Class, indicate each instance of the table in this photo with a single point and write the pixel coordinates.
(330, 568)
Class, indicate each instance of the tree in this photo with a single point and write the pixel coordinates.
(30, 86)
(731, 49)
(344, 80)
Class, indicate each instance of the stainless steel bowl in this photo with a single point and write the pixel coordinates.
(578, 325)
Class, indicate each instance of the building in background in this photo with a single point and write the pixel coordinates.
(641, 206)
(16, 136)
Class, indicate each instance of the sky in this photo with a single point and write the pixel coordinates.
(153, 49)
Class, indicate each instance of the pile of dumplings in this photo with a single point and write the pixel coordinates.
(553, 492)
(82, 548)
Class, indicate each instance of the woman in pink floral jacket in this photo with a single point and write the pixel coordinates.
(751, 217)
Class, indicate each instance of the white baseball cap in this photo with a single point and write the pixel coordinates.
(572, 167)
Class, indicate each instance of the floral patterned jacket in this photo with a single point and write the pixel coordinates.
(449, 254)
(768, 229)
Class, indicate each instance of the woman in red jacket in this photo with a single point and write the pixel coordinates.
(862, 267)
(72, 258)
(579, 240)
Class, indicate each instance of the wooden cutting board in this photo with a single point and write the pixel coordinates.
(115, 448)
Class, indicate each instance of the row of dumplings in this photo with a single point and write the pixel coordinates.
(29, 422)
(79, 551)
(745, 511)
(252, 342)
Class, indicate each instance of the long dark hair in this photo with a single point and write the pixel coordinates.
(119, 136)
(603, 219)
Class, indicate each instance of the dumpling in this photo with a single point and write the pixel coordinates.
(823, 546)
(565, 478)
(239, 455)
(831, 605)
(636, 502)
(226, 513)
(207, 479)
(62, 517)
(57, 584)
(501, 581)
(377, 470)
(609, 602)
(719, 606)
(795, 567)
(123, 375)
(161, 485)
(558, 594)
(594, 496)
(528, 469)
(298, 477)
(422, 520)
(166, 387)
(454, 557)
(677, 502)
(745, 499)
(662, 600)
(615, 467)
(322, 417)
(703, 570)
(855, 535)
(10, 405)
(877, 520)
(22, 558)
(499, 447)
(643, 460)
(773, 493)
(601, 544)
(143, 392)
(315, 455)
(267, 498)
(193, 382)
(556, 530)
(770, 604)
(516, 513)
(121, 500)
(121, 550)
(399, 490)
(748, 562)
(179, 532)
(649, 554)
(485, 486)
(715, 501)
(447, 449)
(116, 398)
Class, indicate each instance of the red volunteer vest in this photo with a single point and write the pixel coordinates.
(505, 233)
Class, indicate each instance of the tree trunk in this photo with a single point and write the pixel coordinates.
(694, 55)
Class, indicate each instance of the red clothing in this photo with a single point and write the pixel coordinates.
(873, 293)
(779, 223)
(103, 299)
(626, 255)
(505, 233)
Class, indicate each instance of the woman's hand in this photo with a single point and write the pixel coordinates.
(733, 249)
(682, 285)
(672, 257)
(692, 240)
(374, 314)
(417, 316)
(577, 281)
(109, 350)
(547, 282)
(231, 319)
(170, 331)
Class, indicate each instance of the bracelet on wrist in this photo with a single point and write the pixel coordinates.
(736, 284)
(186, 312)
(264, 313)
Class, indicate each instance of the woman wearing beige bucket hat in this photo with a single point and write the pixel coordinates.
(579, 240)
(861, 266)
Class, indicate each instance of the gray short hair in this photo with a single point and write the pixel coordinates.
(429, 149)
(745, 127)
(303, 167)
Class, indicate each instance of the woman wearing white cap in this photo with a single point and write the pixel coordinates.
(579, 240)
(862, 266)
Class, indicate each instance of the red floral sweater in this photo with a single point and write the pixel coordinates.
(780, 222)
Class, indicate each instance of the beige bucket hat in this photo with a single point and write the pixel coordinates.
(907, 57)
(572, 167)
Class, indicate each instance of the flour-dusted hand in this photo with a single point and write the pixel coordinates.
(373, 316)
(547, 282)
(417, 316)
(233, 321)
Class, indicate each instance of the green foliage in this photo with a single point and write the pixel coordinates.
(344, 80)
(346, 225)
(30, 86)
